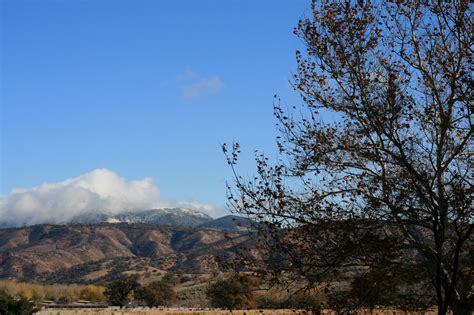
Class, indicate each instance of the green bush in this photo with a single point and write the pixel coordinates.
(119, 292)
(16, 305)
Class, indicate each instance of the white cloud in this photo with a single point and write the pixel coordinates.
(203, 87)
(187, 75)
(99, 190)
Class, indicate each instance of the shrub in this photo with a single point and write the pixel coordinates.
(92, 293)
(158, 293)
(170, 278)
(16, 305)
(234, 292)
(118, 293)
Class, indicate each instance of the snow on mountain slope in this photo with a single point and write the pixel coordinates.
(167, 216)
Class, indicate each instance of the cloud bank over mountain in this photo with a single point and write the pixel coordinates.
(99, 190)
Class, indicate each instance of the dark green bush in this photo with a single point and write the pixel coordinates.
(10, 305)
(232, 293)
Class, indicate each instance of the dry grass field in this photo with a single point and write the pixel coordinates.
(169, 312)
(39, 292)
(221, 312)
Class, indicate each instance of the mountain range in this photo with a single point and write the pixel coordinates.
(166, 216)
(99, 248)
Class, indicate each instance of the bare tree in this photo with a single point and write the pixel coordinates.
(375, 168)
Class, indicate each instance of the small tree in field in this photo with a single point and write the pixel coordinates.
(385, 184)
(157, 293)
(119, 292)
(232, 293)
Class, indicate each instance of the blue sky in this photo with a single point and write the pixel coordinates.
(143, 88)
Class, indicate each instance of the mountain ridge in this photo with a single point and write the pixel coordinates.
(230, 223)
(94, 253)
(166, 216)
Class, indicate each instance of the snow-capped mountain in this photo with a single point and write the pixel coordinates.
(167, 216)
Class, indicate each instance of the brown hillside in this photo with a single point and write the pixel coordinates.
(95, 253)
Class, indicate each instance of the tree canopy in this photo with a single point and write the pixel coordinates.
(232, 293)
(119, 292)
(157, 293)
(374, 173)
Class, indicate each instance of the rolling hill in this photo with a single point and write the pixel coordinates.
(94, 253)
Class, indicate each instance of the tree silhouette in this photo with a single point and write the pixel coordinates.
(375, 168)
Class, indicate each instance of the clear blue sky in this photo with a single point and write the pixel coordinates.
(144, 88)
